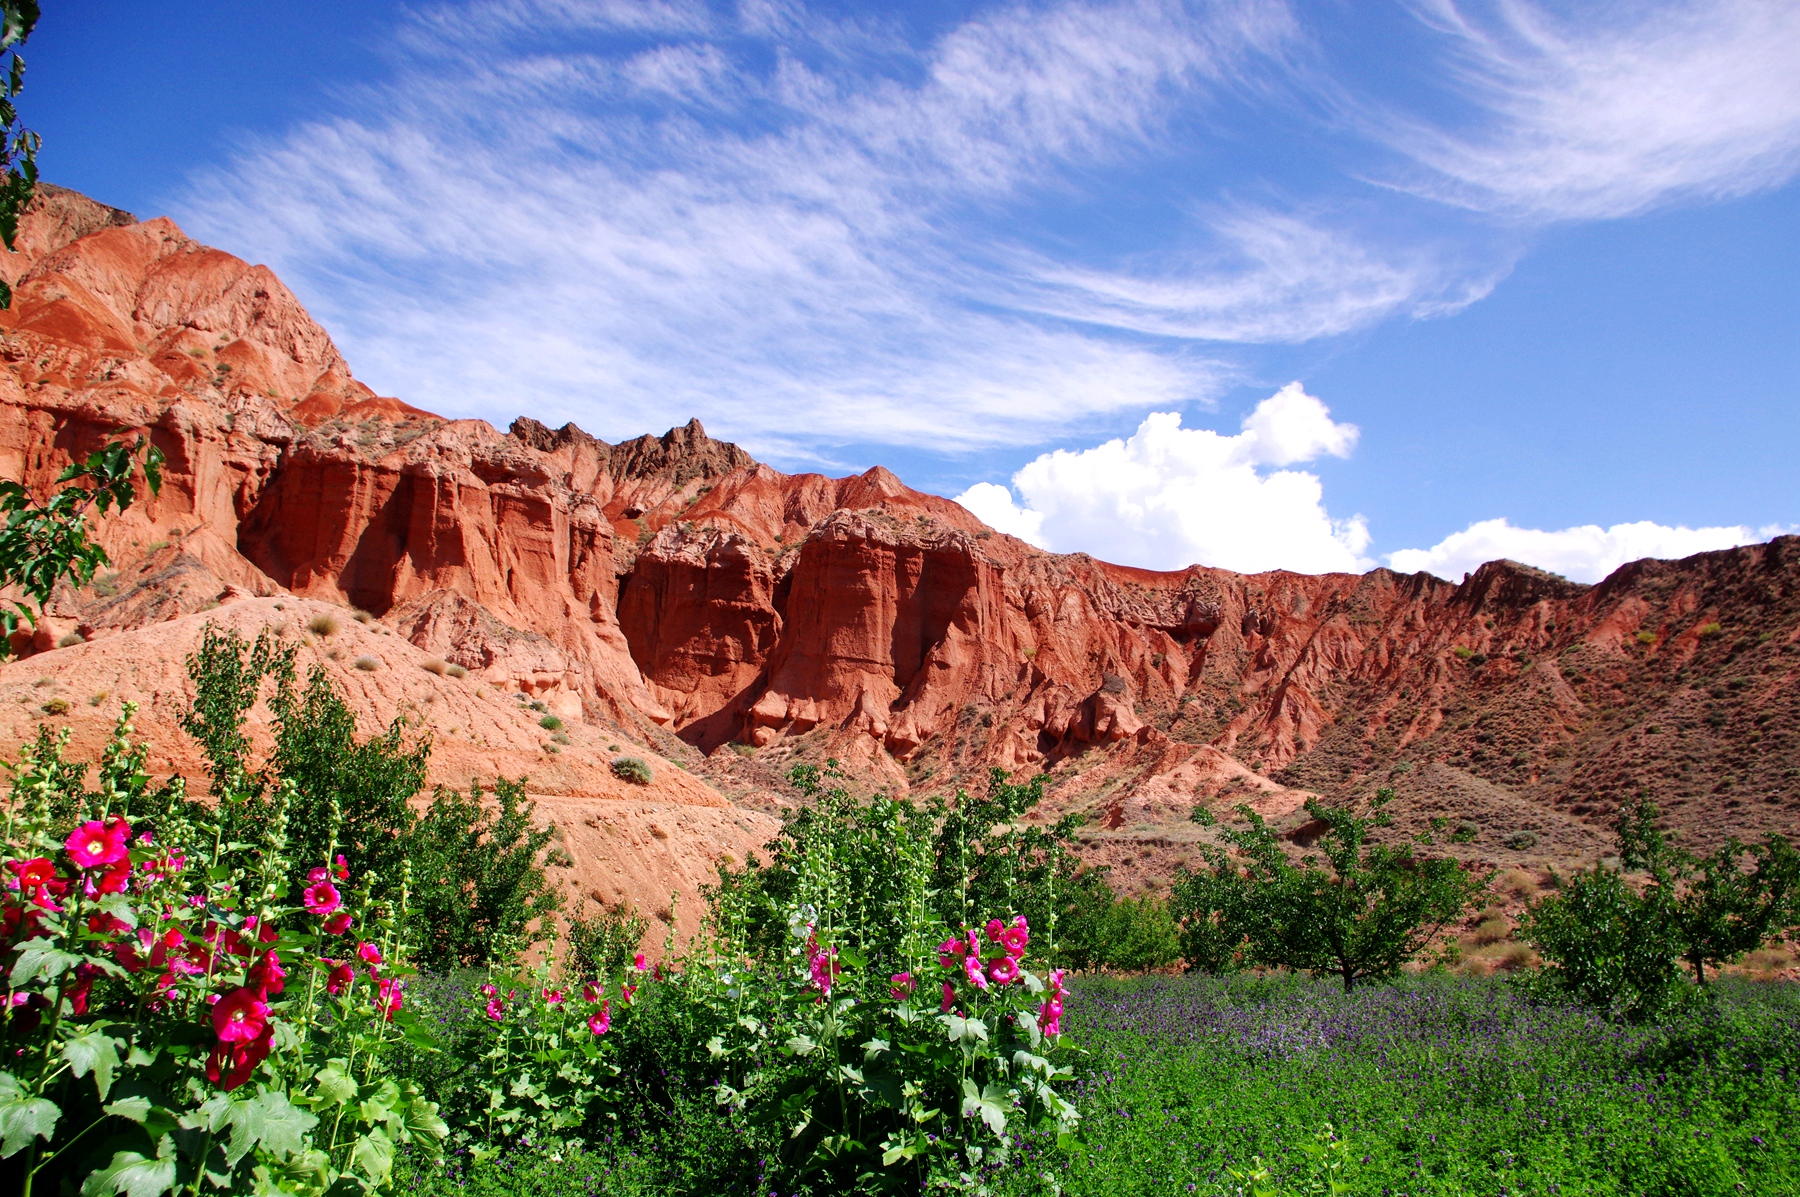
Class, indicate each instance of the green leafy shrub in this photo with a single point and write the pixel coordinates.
(1618, 948)
(1362, 914)
(1522, 841)
(632, 769)
(550, 723)
(44, 544)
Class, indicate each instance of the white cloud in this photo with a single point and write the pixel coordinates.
(1168, 497)
(763, 219)
(1630, 107)
(1584, 554)
(993, 505)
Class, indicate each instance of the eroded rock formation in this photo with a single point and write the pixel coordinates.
(673, 587)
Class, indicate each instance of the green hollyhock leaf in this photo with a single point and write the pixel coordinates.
(22, 1116)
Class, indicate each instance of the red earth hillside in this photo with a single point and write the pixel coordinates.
(674, 594)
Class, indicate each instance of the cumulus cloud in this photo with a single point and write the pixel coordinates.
(1611, 112)
(1167, 497)
(1584, 554)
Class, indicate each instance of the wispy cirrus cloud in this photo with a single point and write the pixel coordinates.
(725, 221)
(1623, 109)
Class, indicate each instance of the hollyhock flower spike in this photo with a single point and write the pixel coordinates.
(1004, 970)
(600, 1022)
(339, 923)
(95, 844)
(240, 1016)
(321, 898)
(900, 986)
(388, 998)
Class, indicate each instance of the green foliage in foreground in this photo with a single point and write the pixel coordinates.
(1433, 1086)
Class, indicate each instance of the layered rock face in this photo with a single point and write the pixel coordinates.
(673, 587)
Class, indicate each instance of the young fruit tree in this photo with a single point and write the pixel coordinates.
(1357, 910)
(1619, 947)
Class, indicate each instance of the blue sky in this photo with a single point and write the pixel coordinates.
(1309, 285)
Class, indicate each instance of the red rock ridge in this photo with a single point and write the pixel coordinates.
(675, 582)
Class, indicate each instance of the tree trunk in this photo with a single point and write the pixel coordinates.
(1699, 970)
(1349, 978)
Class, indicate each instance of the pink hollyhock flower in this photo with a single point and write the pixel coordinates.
(368, 953)
(317, 874)
(488, 991)
(117, 879)
(1050, 1016)
(343, 870)
(1016, 936)
(949, 999)
(553, 996)
(267, 976)
(638, 963)
(494, 1010)
(229, 1065)
(627, 993)
(1056, 983)
(240, 1016)
(1004, 970)
(338, 923)
(31, 873)
(901, 986)
(592, 992)
(321, 898)
(84, 984)
(601, 1022)
(94, 844)
(388, 998)
(994, 928)
(822, 964)
(951, 952)
(341, 978)
(972, 970)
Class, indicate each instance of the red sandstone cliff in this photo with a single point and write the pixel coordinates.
(673, 587)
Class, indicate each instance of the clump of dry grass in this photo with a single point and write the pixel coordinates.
(71, 640)
(455, 670)
(435, 666)
(361, 616)
(323, 624)
(1490, 930)
(366, 664)
(1518, 883)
